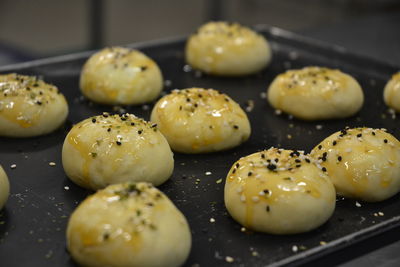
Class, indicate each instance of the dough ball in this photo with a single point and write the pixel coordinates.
(128, 225)
(362, 163)
(227, 49)
(111, 149)
(391, 93)
(279, 191)
(120, 75)
(4, 188)
(315, 93)
(200, 120)
(29, 106)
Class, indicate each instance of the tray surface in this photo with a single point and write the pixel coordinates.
(32, 225)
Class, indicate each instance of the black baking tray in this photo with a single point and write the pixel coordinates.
(32, 225)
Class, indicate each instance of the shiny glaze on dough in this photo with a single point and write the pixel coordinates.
(360, 163)
(391, 93)
(27, 103)
(110, 148)
(118, 226)
(316, 93)
(200, 120)
(266, 181)
(222, 48)
(120, 75)
(4, 187)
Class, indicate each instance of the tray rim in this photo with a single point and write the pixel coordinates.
(309, 255)
(276, 31)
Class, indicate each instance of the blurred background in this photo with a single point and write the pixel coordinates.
(43, 28)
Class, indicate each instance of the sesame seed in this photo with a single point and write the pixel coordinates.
(359, 135)
(339, 158)
(268, 209)
(66, 188)
(229, 259)
(93, 120)
(334, 143)
(358, 205)
(119, 143)
(249, 173)
(295, 248)
(208, 173)
(322, 243)
(385, 141)
(235, 127)
(13, 166)
(323, 169)
(140, 132)
(212, 220)
(320, 147)
(52, 163)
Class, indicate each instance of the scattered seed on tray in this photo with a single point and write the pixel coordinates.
(13, 166)
(358, 204)
(212, 220)
(52, 163)
(208, 173)
(219, 181)
(322, 243)
(318, 127)
(66, 188)
(295, 248)
(229, 259)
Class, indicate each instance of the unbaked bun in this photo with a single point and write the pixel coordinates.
(362, 163)
(120, 75)
(391, 93)
(315, 93)
(29, 106)
(200, 120)
(4, 188)
(128, 225)
(110, 149)
(279, 191)
(227, 49)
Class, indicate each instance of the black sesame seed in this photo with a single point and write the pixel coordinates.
(267, 209)
(271, 167)
(320, 147)
(266, 191)
(359, 135)
(307, 160)
(234, 170)
(373, 133)
(118, 143)
(38, 102)
(276, 160)
(262, 156)
(143, 68)
(334, 143)
(250, 174)
(187, 99)
(109, 130)
(339, 158)
(93, 120)
(298, 166)
(140, 132)
(323, 169)
(297, 160)
(132, 124)
(235, 127)
(237, 165)
(385, 141)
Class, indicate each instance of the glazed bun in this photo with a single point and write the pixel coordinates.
(362, 163)
(128, 225)
(200, 120)
(391, 93)
(4, 188)
(315, 93)
(120, 75)
(111, 149)
(227, 49)
(279, 191)
(29, 106)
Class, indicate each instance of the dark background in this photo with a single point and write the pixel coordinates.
(43, 28)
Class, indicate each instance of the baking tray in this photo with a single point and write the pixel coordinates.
(32, 225)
